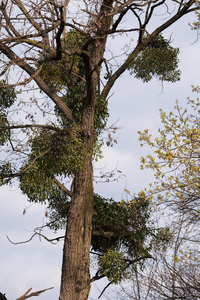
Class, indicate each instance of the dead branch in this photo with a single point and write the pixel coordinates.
(101, 233)
(40, 235)
(27, 295)
(62, 187)
(2, 297)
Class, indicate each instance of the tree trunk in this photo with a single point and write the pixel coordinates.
(75, 280)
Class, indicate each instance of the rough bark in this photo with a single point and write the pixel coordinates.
(75, 281)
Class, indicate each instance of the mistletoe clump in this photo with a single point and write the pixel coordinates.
(159, 59)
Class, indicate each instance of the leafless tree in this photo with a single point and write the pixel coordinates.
(174, 273)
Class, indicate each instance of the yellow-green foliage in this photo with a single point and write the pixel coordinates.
(176, 161)
(185, 258)
(113, 265)
(196, 24)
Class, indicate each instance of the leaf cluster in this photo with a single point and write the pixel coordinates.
(127, 223)
(159, 59)
(64, 73)
(121, 232)
(164, 236)
(52, 154)
(67, 75)
(113, 265)
(61, 153)
(4, 170)
(126, 235)
(7, 98)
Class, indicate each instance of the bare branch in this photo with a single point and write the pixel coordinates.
(12, 176)
(117, 22)
(36, 233)
(129, 3)
(2, 297)
(62, 187)
(22, 126)
(104, 289)
(27, 15)
(28, 37)
(44, 87)
(141, 45)
(27, 295)
(105, 234)
(9, 24)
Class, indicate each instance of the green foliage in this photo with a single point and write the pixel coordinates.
(74, 97)
(113, 265)
(127, 223)
(64, 73)
(58, 209)
(159, 59)
(52, 154)
(124, 229)
(7, 98)
(68, 75)
(63, 153)
(38, 186)
(4, 170)
(5, 133)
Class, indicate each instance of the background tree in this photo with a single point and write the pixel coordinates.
(42, 39)
(174, 272)
(177, 164)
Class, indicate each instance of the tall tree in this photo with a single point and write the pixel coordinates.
(62, 50)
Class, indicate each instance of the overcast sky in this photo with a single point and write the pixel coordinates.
(135, 105)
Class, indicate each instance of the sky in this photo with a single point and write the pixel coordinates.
(135, 105)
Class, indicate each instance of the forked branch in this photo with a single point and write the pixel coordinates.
(28, 295)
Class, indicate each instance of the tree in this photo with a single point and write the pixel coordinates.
(174, 272)
(65, 58)
(177, 164)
